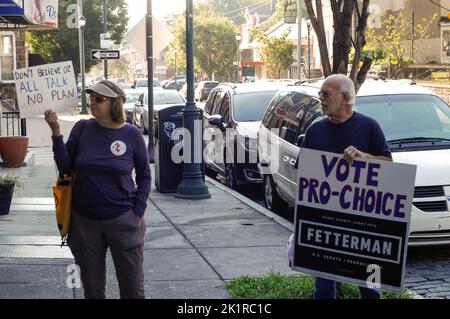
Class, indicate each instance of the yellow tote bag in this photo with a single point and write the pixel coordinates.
(62, 193)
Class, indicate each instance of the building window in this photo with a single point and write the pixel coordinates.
(445, 36)
(7, 56)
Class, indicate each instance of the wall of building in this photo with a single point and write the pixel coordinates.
(7, 89)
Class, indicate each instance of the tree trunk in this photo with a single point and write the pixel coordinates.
(343, 11)
(317, 23)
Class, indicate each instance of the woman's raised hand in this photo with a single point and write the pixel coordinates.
(52, 120)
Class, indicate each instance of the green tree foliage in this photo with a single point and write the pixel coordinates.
(63, 45)
(394, 43)
(277, 53)
(214, 44)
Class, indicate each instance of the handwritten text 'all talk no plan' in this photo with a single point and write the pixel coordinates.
(49, 79)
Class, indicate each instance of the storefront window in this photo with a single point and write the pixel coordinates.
(6, 56)
(446, 44)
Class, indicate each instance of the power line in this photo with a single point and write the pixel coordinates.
(251, 5)
(261, 4)
(439, 5)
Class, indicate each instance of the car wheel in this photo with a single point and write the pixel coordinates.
(230, 177)
(272, 199)
(142, 127)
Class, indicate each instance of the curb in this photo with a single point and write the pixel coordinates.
(252, 204)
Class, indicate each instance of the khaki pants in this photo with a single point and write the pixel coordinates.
(89, 240)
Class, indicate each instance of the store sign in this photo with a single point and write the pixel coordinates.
(38, 14)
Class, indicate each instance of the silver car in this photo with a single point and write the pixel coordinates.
(161, 98)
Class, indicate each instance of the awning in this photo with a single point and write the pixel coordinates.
(28, 14)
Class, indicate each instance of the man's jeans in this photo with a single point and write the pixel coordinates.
(326, 289)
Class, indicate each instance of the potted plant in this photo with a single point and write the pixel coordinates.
(7, 184)
(13, 150)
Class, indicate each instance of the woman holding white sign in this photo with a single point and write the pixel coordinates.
(107, 205)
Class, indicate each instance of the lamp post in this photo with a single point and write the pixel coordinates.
(238, 39)
(105, 31)
(299, 40)
(308, 24)
(149, 51)
(81, 25)
(192, 185)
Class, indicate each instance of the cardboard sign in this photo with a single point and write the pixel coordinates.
(50, 86)
(352, 221)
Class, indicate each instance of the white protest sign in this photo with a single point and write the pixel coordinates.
(352, 218)
(43, 87)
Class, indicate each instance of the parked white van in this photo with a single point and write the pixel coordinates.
(416, 123)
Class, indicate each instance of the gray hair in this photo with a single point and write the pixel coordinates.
(346, 86)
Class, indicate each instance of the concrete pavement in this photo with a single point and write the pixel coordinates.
(191, 247)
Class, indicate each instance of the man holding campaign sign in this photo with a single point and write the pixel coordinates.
(353, 205)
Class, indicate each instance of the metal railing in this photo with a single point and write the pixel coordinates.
(15, 126)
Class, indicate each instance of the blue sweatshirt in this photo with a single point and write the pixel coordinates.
(104, 162)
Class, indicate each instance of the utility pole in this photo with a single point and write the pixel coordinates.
(299, 41)
(149, 34)
(412, 33)
(105, 30)
(81, 20)
(192, 185)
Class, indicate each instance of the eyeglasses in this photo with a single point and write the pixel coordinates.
(325, 94)
(97, 99)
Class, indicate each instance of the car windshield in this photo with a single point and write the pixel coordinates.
(250, 107)
(165, 97)
(210, 85)
(133, 97)
(408, 117)
(144, 83)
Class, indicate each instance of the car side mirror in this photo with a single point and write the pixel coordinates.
(300, 140)
(216, 120)
(133, 87)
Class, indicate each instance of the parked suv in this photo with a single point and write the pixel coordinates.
(203, 89)
(416, 123)
(232, 114)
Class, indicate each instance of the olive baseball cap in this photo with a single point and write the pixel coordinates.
(107, 89)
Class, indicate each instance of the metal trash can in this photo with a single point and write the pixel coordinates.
(168, 174)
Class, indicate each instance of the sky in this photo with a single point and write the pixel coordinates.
(138, 8)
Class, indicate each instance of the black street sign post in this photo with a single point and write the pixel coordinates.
(105, 54)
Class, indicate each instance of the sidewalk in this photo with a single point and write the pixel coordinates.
(191, 247)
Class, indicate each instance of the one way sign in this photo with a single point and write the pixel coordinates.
(105, 54)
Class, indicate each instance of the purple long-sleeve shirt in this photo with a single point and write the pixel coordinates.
(105, 158)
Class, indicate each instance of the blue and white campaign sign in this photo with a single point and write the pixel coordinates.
(352, 220)
(43, 87)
